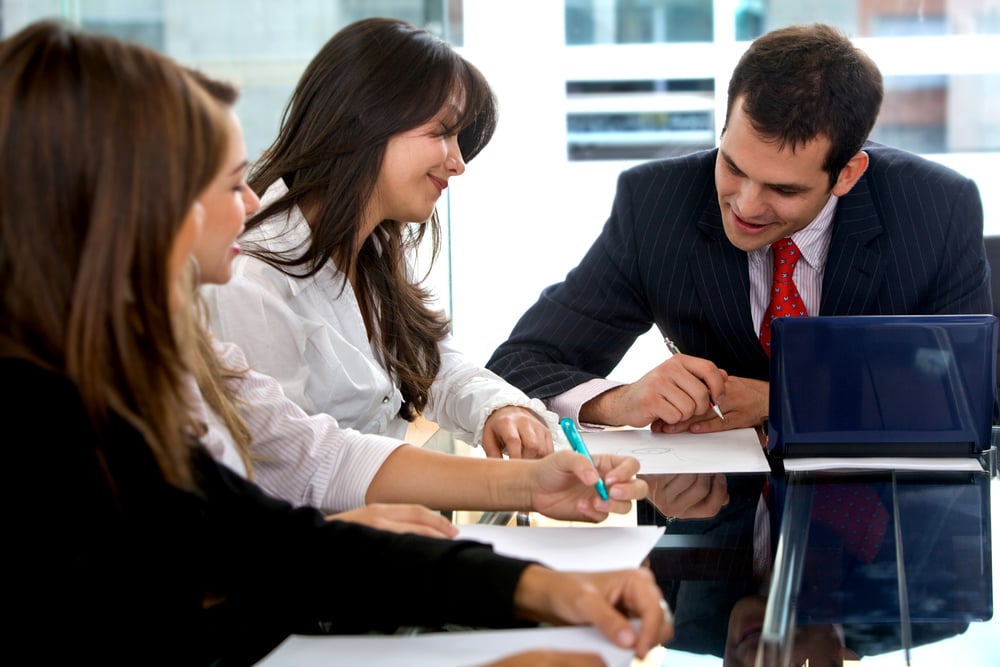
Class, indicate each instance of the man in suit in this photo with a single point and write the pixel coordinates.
(690, 243)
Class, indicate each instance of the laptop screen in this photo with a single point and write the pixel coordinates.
(882, 385)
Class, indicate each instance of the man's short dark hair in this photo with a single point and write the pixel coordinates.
(805, 81)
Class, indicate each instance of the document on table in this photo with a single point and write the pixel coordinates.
(439, 649)
(576, 548)
(737, 450)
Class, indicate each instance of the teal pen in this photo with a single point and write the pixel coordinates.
(569, 428)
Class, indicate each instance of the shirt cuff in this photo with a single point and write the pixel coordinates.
(568, 403)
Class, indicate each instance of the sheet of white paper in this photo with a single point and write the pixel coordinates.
(737, 450)
(439, 649)
(577, 548)
(876, 463)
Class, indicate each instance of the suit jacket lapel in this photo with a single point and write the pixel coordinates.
(854, 272)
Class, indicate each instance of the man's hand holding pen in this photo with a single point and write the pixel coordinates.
(673, 349)
(745, 402)
(678, 391)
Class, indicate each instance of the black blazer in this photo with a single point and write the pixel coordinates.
(907, 239)
(109, 564)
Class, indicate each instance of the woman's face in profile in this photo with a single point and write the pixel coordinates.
(228, 200)
(416, 168)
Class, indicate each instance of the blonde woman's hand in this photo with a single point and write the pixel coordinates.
(562, 486)
(517, 431)
(399, 518)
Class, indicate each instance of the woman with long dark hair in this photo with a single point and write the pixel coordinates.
(324, 297)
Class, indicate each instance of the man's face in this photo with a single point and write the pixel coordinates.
(818, 644)
(765, 193)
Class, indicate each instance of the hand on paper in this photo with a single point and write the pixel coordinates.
(606, 600)
(744, 404)
(518, 431)
(679, 389)
(399, 519)
(562, 486)
(550, 659)
(688, 496)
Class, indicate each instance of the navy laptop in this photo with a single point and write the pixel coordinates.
(882, 385)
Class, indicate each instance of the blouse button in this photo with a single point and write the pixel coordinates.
(385, 399)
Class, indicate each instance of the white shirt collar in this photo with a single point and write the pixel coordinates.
(813, 240)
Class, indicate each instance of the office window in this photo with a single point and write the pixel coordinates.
(638, 21)
(586, 88)
(939, 110)
(639, 119)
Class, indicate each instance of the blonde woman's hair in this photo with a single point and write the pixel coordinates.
(215, 380)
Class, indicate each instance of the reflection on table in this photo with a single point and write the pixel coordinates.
(893, 560)
(832, 567)
(782, 573)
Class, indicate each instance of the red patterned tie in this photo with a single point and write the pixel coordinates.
(785, 299)
(855, 514)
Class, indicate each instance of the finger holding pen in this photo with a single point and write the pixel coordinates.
(676, 390)
(563, 488)
(674, 350)
(688, 388)
(576, 442)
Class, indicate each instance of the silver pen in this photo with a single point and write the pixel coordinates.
(674, 350)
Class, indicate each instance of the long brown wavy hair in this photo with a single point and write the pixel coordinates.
(374, 79)
(104, 148)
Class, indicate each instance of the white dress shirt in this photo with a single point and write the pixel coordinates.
(309, 334)
(306, 460)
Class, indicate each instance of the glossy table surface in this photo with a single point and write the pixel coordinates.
(776, 577)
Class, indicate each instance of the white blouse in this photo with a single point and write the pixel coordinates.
(306, 460)
(309, 334)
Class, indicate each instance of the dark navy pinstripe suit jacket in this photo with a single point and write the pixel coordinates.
(907, 239)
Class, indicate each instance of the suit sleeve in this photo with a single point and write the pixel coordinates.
(581, 328)
(964, 286)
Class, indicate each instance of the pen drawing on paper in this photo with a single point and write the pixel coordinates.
(737, 450)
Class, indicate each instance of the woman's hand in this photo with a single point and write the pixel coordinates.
(562, 486)
(518, 431)
(606, 600)
(399, 519)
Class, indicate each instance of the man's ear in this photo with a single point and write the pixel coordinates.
(850, 174)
